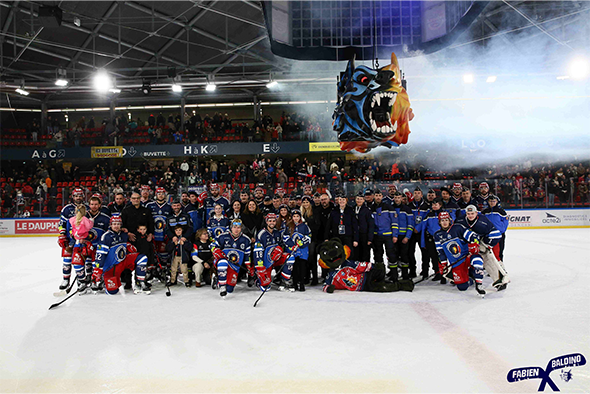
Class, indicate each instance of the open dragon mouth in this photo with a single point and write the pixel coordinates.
(379, 109)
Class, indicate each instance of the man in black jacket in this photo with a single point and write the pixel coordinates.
(133, 216)
(366, 228)
(342, 224)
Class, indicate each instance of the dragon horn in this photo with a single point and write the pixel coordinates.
(394, 66)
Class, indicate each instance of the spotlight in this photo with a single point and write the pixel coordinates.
(146, 88)
(468, 78)
(579, 68)
(272, 84)
(61, 78)
(491, 79)
(102, 82)
(210, 87)
(176, 87)
(115, 90)
(61, 82)
(22, 91)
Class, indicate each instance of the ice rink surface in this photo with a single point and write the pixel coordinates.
(435, 339)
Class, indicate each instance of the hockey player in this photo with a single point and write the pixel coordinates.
(160, 212)
(79, 228)
(448, 203)
(429, 227)
(66, 249)
(230, 251)
(100, 226)
(193, 210)
(218, 223)
(499, 218)
(458, 246)
(464, 202)
(215, 199)
(116, 254)
(269, 253)
(354, 275)
(145, 196)
(386, 232)
(405, 220)
(482, 198)
(490, 236)
(103, 208)
(456, 191)
(298, 233)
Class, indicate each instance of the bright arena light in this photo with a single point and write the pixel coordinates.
(579, 68)
(491, 79)
(210, 87)
(272, 84)
(115, 90)
(22, 91)
(468, 78)
(61, 82)
(102, 82)
(176, 88)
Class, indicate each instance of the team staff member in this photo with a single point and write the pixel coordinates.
(366, 229)
(179, 218)
(342, 224)
(118, 205)
(386, 232)
(419, 208)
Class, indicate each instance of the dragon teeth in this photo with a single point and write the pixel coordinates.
(378, 99)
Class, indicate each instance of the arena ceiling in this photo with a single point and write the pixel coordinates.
(224, 42)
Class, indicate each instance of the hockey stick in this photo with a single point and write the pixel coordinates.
(65, 291)
(64, 300)
(445, 272)
(159, 277)
(295, 247)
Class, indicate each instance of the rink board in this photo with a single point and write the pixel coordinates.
(527, 218)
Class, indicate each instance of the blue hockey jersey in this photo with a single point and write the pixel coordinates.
(301, 236)
(160, 212)
(196, 215)
(430, 224)
(265, 243)
(237, 250)
(498, 217)
(217, 226)
(483, 228)
(210, 203)
(112, 249)
(452, 245)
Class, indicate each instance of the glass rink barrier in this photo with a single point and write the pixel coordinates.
(514, 193)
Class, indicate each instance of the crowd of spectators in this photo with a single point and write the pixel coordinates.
(41, 188)
(158, 129)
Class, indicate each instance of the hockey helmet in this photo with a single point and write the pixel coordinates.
(78, 192)
(160, 190)
(116, 219)
(270, 216)
(444, 215)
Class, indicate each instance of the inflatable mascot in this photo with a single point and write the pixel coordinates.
(373, 108)
(354, 275)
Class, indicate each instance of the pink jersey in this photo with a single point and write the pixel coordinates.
(80, 232)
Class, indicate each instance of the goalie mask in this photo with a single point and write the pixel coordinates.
(373, 108)
(333, 253)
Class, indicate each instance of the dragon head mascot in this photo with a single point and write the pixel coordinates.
(373, 108)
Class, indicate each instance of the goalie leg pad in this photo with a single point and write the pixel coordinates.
(490, 264)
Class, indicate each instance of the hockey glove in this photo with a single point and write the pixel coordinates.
(474, 248)
(131, 248)
(62, 241)
(276, 253)
(96, 275)
(217, 253)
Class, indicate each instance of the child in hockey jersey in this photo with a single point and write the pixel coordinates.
(146, 248)
(202, 258)
(180, 252)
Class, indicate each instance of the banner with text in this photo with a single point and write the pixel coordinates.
(549, 218)
(29, 226)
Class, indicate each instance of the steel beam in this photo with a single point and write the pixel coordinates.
(202, 32)
(97, 28)
(238, 53)
(232, 16)
(178, 34)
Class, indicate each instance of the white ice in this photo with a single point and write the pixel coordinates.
(435, 339)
